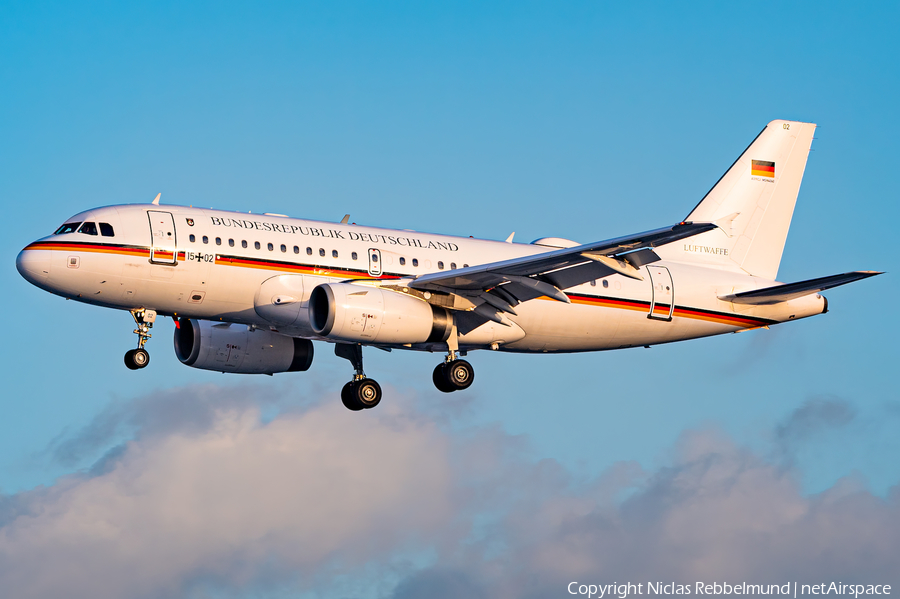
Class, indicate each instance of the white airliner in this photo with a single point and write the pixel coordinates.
(249, 292)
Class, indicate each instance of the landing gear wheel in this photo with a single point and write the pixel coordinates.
(129, 360)
(362, 394)
(453, 376)
(367, 393)
(459, 374)
(348, 398)
(439, 378)
(136, 359)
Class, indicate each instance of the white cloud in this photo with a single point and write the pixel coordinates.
(217, 499)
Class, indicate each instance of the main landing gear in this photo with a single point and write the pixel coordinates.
(453, 374)
(138, 358)
(361, 393)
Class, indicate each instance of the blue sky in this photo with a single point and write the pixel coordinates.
(584, 120)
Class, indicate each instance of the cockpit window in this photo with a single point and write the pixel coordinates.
(88, 228)
(67, 228)
(106, 230)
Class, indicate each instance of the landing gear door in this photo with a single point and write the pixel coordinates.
(374, 262)
(662, 295)
(162, 237)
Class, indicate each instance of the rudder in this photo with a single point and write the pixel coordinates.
(752, 203)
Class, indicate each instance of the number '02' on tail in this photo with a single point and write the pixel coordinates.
(752, 204)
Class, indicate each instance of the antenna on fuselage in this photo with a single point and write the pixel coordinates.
(155, 201)
(346, 219)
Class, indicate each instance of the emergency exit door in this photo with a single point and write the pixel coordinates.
(375, 262)
(162, 237)
(662, 298)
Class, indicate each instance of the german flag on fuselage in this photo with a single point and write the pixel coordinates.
(763, 168)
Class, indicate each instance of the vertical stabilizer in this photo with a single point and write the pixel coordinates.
(752, 204)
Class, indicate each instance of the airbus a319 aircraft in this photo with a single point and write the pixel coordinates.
(249, 293)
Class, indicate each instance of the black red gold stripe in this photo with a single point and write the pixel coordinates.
(663, 309)
(100, 248)
(327, 271)
(309, 269)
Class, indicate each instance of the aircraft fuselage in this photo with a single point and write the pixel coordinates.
(215, 265)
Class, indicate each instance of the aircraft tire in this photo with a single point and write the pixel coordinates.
(348, 398)
(367, 393)
(140, 357)
(439, 378)
(135, 359)
(459, 374)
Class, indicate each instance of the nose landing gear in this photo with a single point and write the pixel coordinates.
(362, 392)
(138, 358)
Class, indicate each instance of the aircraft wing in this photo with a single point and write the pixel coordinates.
(789, 291)
(504, 284)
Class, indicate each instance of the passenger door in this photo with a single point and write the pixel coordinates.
(662, 297)
(162, 237)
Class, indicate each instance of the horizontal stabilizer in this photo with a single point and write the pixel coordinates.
(783, 293)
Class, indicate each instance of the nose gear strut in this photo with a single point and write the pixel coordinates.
(138, 358)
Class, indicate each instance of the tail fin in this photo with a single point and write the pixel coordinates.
(752, 204)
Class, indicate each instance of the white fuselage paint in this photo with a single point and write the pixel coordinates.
(215, 280)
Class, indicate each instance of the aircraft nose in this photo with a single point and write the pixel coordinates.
(34, 265)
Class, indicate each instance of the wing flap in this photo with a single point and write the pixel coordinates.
(561, 268)
(789, 291)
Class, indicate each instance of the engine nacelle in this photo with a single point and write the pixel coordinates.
(237, 348)
(366, 314)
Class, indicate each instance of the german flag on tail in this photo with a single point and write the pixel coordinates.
(763, 168)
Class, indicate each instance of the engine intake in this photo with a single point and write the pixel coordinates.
(236, 348)
(361, 313)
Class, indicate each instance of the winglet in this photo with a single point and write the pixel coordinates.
(155, 201)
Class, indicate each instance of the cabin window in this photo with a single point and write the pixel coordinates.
(106, 230)
(440, 265)
(192, 237)
(465, 266)
(88, 229)
(453, 266)
(605, 283)
(205, 239)
(67, 228)
(402, 261)
(309, 251)
(256, 244)
(231, 243)
(415, 261)
(296, 250)
(244, 243)
(218, 241)
(270, 246)
(593, 283)
(322, 252)
(353, 255)
(283, 248)
(334, 253)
